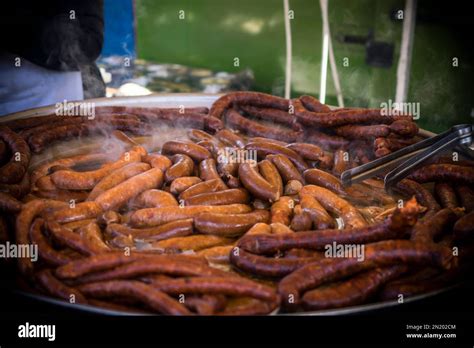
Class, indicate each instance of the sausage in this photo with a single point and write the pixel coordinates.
(339, 118)
(286, 168)
(196, 152)
(175, 265)
(46, 184)
(55, 287)
(265, 266)
(197, 135)
(117, 196)
(352, 292)
(362, 132)
(81, 211)
(256, 184)
(266, 148)
(324, 179)
(183, 165)
(179, 228)
(336, 205)
(74, 240)
(464, 227)
(45, 251)
(155, 199)
(247, 98)
(229, 225)
(69, 162)
(319, 215)
(325, 141)
(203, 187)
(312, 152)
(63, 195)
(406, 128)
(313, 104)
(444, 172)
(157, 216)
(17, 190)
(231, 196)
(282, 210)
(271, 115)
(270, 173)
(9, 204)
(252, 128)
(179, 185)
(341, 162)
(145, 294)
(187, 243)
(95, 263)
(279, 228)
(266, 140)
(78, 224)
(15, 169)
(466, 196)
(116, 177)
(230, 138)
(157, 161)
(92, 237)
(208, 170)
(427, 230)
(423, 196)
(217, 285)
(259, 228)
(218, 254)
(396, 226)
(72, 180)
(384, 253)
(292, 187)
(23, 223)
(301, 220)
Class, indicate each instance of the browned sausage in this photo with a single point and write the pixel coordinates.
(119, 195)
(282, 210)
(182, 166)
(15, 169)
(231, 196)
(229, 225)
(319, 215)
(286, 168)
(179, 185)
(155, 199)
(256, 184)
(203, 187)
(138, 291)
(80, 211)
(270, 173)
(9, 204)
(266, 148)
(336, 205)
(158, 216)
(72, 180)
(208, 170)
(444, 172)
(179, 228)
(57, 288)
(196, 152)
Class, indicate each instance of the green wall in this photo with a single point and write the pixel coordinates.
(214, 32)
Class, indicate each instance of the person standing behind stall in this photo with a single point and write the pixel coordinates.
(48, 52)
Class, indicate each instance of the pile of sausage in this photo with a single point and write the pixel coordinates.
(235, 218)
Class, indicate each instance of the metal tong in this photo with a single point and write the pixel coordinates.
(411, 157)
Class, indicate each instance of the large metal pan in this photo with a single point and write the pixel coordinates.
(168, 101)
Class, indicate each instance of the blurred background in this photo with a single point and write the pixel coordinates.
(214, 46)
